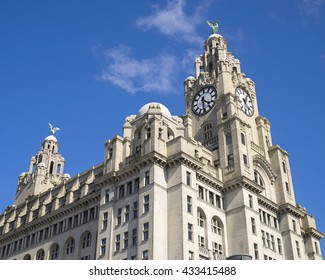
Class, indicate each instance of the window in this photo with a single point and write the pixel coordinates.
(284, 168)
(148, 133)
(250, 201)
(211, 198)
(54, 252)
(263, 238)
(106, 196)
(201, 192)
(245, 159)
(40, 254)
(216, 226)
(268, 241)
(126, 213)
(129, 188)
(70, 247)
(316, 247)
(258, 178)
(86, 240)
(146, 178)
(242, 136)
(190, 255)
(207, 132)
(134, 236)
(117, 243)
(135, 209)
(253, 226)
(105, 219)
(217, 248)
(119, 216)
(201, 241)
(294, 227)
(125, 239)
(200, 219)
(230, 160)
(287, 187)
(256, 251)
(146, 204)
(298, 249)
(188, 178)
(228, 138)
(272, 243)
(145, 255)
(121, 192)
(190, 232)
(145, 231)
(103, 246)
(189, 204)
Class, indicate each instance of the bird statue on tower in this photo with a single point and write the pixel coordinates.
(214, 26)
(53, 129)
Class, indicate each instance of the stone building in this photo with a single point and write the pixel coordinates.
(205, 185)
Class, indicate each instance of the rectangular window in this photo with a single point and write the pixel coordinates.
(145, 231)
(217, 249)
(135, 209)
(279, 246)
(245, 159)
(268, 241)
(121, 191)
(126, 213)
(253, 226)
(190, 255)
(201, 192)
(230, 160)
(190, 232)
(298, 249)
(284, 168)
(125, 240)
(129, 188)
(146, 178)
(146, 204)
(106, 196)
(201, 241)
(136, 184)
(105, 220)
(287, 187)
(189, 204)
(103, 246)
(316, 247)
(250, 201)
(272, 243)
(263, 238)
(145, 255)
(119, 216)
(242, 136)
(294, 227)
(117, 243)
(211, 198)
(256, 251)
(188, 178)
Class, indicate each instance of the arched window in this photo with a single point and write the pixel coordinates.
(258, 178)
(70, 244)
(27, 257)
(201, 218)
(40, 255)
(216, 226)
(54, 252)
(86, 240)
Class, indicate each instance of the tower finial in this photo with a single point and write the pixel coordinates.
(53, 129)
(214, 26)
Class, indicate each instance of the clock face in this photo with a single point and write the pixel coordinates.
(204, 100)
(245, 101)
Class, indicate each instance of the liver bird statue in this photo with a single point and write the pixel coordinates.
(214, 26)
(53, 129)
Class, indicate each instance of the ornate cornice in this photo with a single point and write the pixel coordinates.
(242, 182)
(288, 208)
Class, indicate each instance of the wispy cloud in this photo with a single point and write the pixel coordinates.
(133, 75)
(311, 7)
(173, 21)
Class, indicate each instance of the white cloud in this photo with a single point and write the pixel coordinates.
(172, 21)
(132, 75)
(311, 7)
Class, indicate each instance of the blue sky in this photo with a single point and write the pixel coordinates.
(86, 65)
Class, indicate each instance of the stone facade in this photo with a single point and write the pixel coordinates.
(205, 185)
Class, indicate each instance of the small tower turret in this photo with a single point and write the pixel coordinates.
(45, 171)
